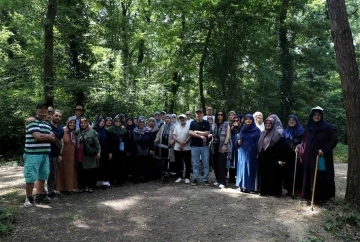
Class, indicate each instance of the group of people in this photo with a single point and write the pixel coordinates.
(259, 156)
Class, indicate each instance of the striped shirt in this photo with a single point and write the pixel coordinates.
(33, 146)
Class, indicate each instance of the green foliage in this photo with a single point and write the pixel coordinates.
(343, 222)
(313, 238)
(8, 211)
(341, 153)
(139, 57)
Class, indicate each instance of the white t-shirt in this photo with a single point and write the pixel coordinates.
(182, 133)
(188, 122)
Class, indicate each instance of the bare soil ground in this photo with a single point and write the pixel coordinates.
(164, 212)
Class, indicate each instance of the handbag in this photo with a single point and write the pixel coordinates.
(321, 164)
(89, 149)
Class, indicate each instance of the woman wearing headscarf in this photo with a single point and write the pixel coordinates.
(174, 120)
(130, 125)
(235, 128)
(88, 152)
(320, 138)
(142, 148)
(278, 125)
(108, 122)
(231, 116)
(66, 175)
(293, 135)
(258, 116)
(165, 137)
(271, 158)
(119, 148)
(247, 167)
(104, 162)
(221, 146)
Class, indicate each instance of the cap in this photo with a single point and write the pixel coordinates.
(198, 110)
(42, 104)
(162, 112)
(141, 120)
(182, 116)
(157, 112)
(78, 107)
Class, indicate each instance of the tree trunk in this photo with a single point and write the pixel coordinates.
(349, 76)
(287, 65)
(49, 53)
(201, 69)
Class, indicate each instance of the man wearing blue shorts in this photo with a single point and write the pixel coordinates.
(36, 156)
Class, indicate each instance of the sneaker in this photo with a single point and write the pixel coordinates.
(195, 182)
(206, 183)
(179, 180)
(42, 199)
(187, 181)
(29, 203)
(216, 184)
(221, 186)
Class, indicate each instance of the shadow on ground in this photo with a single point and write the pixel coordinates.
(167, 212)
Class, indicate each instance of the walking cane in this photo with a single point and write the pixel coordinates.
(293, 191)
(313, 191)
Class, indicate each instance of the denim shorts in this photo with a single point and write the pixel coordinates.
(36, 167)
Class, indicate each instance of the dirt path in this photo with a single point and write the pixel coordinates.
(166, 212)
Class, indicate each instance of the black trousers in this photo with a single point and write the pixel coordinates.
(220, 160)
(179, 157)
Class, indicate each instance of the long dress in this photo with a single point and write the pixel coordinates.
(66, 174)
(247, 166)
(324, 138)
(270, 180)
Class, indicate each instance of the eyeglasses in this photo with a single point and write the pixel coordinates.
(209, 109)
(173, 117)
(188, 114)
(50, 112)
(220, 114)
(236, 120)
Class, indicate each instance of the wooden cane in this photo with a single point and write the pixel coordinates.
(313, 191)
(293, 191)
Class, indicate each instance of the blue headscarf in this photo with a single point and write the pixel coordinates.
(101, 131)
(296, 131)
(249, 130)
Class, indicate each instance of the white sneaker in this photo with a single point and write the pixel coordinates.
(27, 203)
(216, 184)
(179, 180)
(221, 186)
(187, 181)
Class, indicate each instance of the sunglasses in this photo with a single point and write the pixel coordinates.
(220, 114)
(50, 112)
(236, 120)
(188, 114)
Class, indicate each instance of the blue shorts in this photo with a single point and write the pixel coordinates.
(36, 167)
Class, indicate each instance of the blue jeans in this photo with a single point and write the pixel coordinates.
(195, 155)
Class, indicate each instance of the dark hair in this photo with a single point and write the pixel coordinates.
(216, 116)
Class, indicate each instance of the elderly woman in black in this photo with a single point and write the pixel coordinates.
(271, 158)
(119, 148)
(142, 148)
(319, 139)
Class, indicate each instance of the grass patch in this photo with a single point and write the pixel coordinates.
(9, 209)
(341, 153)
(343, 222)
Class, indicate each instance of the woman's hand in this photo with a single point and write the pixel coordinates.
(223, 149)
(239, 142)
(156, 140)
(98, 156)
(321, 153)
(110, 156)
